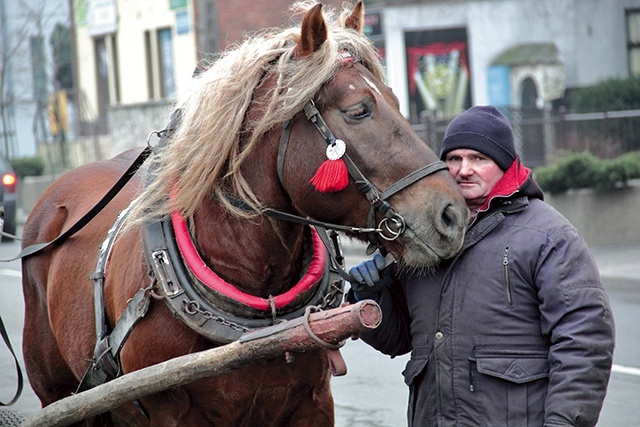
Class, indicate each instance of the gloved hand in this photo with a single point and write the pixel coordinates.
(370, 278)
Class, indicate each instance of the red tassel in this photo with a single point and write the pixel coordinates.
(331, 176)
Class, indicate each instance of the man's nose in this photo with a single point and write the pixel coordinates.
(466, 168)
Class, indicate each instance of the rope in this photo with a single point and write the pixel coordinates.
(312, 335)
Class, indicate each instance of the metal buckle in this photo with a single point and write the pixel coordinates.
(166, 276)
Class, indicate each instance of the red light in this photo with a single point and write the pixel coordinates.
(9, 181)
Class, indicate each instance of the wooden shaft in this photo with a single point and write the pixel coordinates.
(332, 326)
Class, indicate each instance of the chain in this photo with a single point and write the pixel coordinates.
(193, 307)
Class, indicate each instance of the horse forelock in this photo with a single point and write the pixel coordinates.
(207, 149)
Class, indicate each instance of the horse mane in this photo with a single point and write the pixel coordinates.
(205, 154)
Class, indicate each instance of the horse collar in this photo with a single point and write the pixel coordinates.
(209, 278)
(216, 309)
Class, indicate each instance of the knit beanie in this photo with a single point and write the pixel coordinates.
(482, 128)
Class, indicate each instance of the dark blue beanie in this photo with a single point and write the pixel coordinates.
(482, 128)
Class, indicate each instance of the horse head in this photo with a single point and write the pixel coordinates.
(362, 111)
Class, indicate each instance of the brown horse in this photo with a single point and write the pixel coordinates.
(249, 143)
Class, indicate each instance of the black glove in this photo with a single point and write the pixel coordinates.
(370, 277)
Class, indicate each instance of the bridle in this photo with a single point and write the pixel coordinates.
(393, 224)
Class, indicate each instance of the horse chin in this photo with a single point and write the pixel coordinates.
(419, 253)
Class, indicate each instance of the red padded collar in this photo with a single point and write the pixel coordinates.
(212, 280)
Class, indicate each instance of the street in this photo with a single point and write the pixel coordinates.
(372, 393)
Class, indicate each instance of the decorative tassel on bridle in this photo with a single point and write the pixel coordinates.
(332, 175)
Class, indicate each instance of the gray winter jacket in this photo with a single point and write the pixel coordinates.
(516, 330)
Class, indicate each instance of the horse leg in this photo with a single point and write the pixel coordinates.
(48, 373)
(317, 410)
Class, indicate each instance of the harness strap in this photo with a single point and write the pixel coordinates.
(336, 256)
(106, 363)
(276, 214)
(108, 345)
(5, 337)
(413, 177)
(313, 115)
(91, 213)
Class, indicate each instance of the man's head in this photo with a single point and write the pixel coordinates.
(478, 148)
(482, 128)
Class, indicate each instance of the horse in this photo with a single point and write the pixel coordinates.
(220, 230)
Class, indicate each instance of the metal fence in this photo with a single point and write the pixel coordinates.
(540, 135)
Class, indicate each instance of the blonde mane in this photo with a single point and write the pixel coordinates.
(205, 154)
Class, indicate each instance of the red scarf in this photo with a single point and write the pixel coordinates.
(509, 184)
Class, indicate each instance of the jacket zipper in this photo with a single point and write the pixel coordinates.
(505, 263)
(471, 360)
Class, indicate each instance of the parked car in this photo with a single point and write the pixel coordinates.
(8, 197)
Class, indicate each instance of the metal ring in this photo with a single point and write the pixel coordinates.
(392, 227)
(155, 132)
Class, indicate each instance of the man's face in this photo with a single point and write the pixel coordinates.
(475, 173)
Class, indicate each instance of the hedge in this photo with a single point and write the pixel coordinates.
(612, 94)
(584, 170)
(27, 166)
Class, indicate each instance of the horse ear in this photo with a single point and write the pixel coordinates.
(355, 20)
(313, 33)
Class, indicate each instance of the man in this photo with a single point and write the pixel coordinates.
(516, 329)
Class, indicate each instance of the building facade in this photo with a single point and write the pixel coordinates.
(133, 56)
(505, 52)
(441, 56)
(26, 72)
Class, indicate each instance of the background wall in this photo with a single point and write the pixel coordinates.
(603, 217)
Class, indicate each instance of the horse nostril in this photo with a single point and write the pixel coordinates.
(451, 221)
(449, 217)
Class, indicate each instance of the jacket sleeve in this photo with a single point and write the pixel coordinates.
(576, 318)
(393, 336)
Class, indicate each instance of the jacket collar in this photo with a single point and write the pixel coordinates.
(509, 184)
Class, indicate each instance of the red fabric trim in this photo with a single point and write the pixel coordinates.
(215, 282)
(510, 182)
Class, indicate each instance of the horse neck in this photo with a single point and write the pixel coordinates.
(259, 256)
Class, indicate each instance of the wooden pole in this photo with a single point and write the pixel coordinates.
(331, 326)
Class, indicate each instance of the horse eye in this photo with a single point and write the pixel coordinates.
(360, 112)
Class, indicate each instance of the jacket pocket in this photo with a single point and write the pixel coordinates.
(413, 375)
(416, 364)
(517, 368)
(511, 378)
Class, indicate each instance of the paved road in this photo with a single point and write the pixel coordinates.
(372, 394)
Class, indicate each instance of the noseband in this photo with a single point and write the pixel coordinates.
(393, 224)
